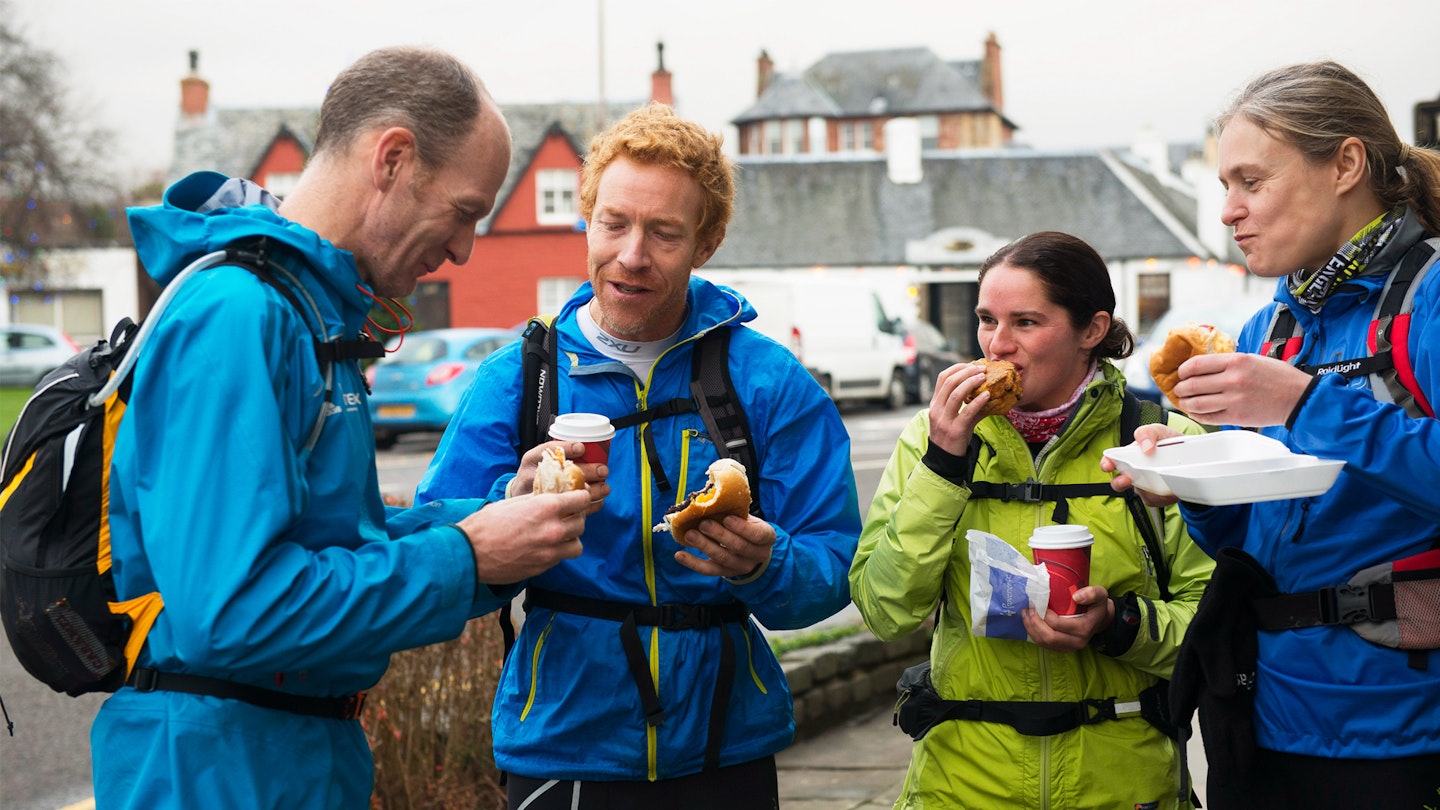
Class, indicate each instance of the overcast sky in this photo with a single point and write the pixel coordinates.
(1076, 74)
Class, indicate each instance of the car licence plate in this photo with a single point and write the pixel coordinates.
(397, 411)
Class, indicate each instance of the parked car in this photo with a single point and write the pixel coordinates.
(417, 388)
(1227, 316)
(30, 351)
(927, 352)
(837, 328)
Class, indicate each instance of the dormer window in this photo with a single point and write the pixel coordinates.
(555, 191)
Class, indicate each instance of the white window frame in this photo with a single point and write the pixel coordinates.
(557, 197)
(929, 131)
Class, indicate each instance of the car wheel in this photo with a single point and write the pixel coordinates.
(895, 394)
(927, 388)
(384, 439)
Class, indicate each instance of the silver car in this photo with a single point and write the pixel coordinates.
(30, 351)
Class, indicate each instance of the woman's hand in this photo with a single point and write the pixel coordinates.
(952, 420)
(1072, 633)
(1146, 437)
(1246, 390)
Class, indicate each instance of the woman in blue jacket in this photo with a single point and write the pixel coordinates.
(1323, 196)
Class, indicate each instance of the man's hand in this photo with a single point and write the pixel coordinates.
(595, 474)
(735, 547)
(520, 537)
(1071, 633)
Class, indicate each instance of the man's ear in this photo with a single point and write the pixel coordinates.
(1350, 165)
(705, 251)
(392, 156)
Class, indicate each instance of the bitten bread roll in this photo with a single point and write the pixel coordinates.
(1003, 383)
(726, 493)
(558, 473)
(1182, 343)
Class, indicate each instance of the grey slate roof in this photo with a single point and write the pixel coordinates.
(902, 81)
(846, 212)
(232, 141)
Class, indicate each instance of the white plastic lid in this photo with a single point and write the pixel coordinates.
(1062, 536)
(582, 427)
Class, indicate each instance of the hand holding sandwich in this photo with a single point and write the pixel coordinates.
(965, 393)
(549, 468)
(716, 522)
(1246, 390)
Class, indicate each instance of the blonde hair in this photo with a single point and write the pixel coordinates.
(655, 135)
(1315, 106)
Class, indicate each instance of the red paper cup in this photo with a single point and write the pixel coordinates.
(591, 428)
(1065, 551)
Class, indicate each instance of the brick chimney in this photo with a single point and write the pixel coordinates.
(765, 70)
(990, 83)
(660, 89)
(194, 91)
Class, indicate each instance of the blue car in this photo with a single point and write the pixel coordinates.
(417, 388)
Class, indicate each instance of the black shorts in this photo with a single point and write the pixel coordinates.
(748, 786)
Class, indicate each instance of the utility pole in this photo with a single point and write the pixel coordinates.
(600, 67)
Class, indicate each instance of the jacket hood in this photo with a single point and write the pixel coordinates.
(207, 211)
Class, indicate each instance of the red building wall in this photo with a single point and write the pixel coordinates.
(285, 156)
(498, 286)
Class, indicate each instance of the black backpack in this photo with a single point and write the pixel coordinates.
(58, 590)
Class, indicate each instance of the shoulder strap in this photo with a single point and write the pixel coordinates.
(1284, 338)
(539, 400)
(1150, 522)
(720, 407)
(1390, 329)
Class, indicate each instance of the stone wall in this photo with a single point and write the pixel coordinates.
(832, 682)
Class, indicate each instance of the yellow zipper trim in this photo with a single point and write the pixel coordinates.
(647, 511)
(535, 667)
(750, 659)
(17, 480)
(652, 735)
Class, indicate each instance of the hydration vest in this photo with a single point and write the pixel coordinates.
(1392, 375)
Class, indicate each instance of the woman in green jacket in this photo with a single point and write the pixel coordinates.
(1045, 304)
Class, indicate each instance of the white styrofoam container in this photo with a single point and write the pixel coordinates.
(1226, 467)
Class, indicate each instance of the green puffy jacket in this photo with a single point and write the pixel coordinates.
(913, 546)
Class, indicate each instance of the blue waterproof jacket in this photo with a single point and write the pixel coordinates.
(1325, 691)
(567, 705)
(274, 569)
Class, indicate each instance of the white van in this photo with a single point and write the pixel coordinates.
(836, 327)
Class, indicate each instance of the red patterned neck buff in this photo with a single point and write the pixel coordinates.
(1040, 426)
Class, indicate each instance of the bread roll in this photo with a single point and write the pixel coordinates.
(557, 473)
(1002, 380)
(1182, 343)
(727, 492)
